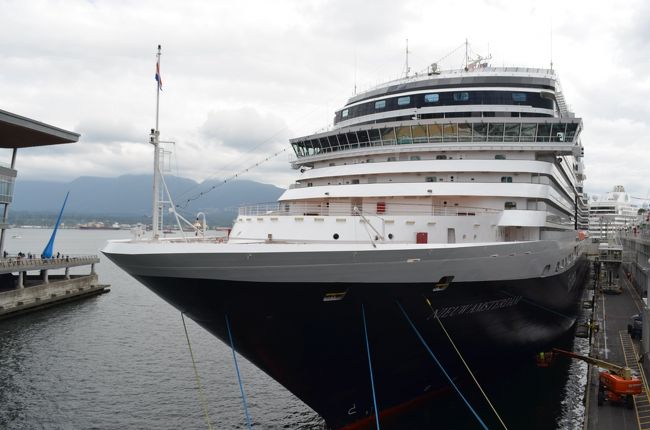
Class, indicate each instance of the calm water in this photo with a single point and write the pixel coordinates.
(120, 361)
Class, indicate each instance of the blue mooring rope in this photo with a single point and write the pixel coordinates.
(372, 379)
(440, 366)
(241, 386)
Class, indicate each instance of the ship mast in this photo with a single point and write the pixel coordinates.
(155, 141)
(407, 69)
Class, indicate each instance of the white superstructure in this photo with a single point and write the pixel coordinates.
(611, 213)
(479, 156)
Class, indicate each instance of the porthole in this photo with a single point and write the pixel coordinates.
(390, 236)
(336, 236)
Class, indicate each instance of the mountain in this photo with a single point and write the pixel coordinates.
(130, 196)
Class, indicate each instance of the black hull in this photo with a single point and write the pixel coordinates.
(316, 348)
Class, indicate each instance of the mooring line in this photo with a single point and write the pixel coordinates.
(196, 375)
(453, 384)
(372, 378)
(241, 386)
(467, 367)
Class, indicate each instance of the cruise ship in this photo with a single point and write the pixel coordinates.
(611, 213)
(447, 199)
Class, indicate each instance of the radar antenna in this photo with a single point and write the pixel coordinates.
(473, 60)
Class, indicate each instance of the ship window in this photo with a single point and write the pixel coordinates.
(391, 159)
(431, 98)
(435, 132)
(310, 184)
(344, 114)
(511, 132)
(558, 132)
(528, 132)
(518, 97)
(355, 181)
(380, 104)
(510, 205)
(450, 132)
(336, 236)
(419, 133)
(495, 133)
(571, 131)
(404, 135)
(464, 132)
(543, 132)
(402, 101)
(388, 136)
(506, 178)
(374, 136)
(461, 97)
(415, 157)
(499, 157)
(430, 179)
(441, 157)
(479, 132)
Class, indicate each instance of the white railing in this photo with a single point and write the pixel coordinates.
(442, 175)
(33, 263)
(386, 209)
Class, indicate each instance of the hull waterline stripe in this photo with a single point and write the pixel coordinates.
(424, 343)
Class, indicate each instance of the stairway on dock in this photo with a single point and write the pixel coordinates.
(641, 402)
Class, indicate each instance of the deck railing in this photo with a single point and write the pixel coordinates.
(381, 209)
(35, 263)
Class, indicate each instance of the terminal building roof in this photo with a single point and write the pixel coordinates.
(20, 132)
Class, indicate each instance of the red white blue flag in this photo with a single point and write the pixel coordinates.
(158, 78)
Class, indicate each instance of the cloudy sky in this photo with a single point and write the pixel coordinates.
(242, 77)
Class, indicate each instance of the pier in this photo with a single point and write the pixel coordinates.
(28, 282)
(615, 301)
(21, 292)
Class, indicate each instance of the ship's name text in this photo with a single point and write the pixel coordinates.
(472, 308)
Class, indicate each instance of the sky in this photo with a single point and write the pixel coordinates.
(240, 78)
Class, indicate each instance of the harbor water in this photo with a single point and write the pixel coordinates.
(121, 361)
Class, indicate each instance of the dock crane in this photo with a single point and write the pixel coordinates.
(616, 385)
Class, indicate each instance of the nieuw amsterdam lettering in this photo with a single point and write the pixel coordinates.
(472, 308)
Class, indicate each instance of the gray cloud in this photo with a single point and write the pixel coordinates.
(109, 130)
(245, 128)
(234, 78)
